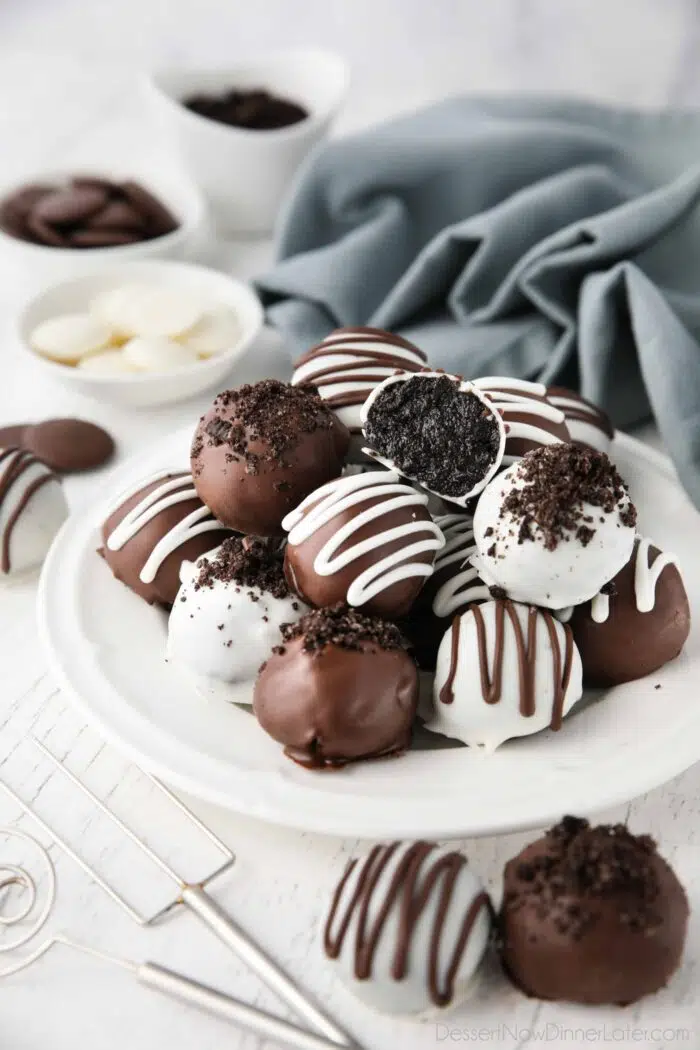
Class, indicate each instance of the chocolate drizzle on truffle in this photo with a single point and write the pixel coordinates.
(637, 623)
(152, 529)
(350, 362)
(416, 878)
(530, 417)
(527, 649)
(13, 464)
(587, 423)
(367, 539)
(437, 430)
(558, 481)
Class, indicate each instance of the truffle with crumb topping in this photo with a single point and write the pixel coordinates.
(591, 915)
(339, 687)
(553, 529)
(228, 613)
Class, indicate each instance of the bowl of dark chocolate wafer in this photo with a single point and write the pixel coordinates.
(243, 130)
(65, 224)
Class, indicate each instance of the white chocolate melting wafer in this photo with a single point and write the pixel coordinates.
(70, 337)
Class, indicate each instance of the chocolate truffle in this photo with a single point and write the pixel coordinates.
(454, 585)
(155, 526)
(228, 613)
(435, 429)
(638, 623)
(340, 687)
(530, 417)
(349, 363)
(32, 510)
(366, 539)
(591, 915)
(504, 670)
(554, 528)
(588, 424)
(256, 109)
(261, 449)
(408, 927)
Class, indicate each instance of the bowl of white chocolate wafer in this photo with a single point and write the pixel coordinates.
(141, 334)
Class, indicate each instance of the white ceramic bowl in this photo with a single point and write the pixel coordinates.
(245, 174)
(139, 390)
(31, 266)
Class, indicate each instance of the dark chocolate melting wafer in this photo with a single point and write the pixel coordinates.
(117, 215)
(69, 206)
(103, 238)
(68, 445)
(159, 219)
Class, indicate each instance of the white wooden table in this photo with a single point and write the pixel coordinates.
(57, 109)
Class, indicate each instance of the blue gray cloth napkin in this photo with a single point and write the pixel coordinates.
(547, 239)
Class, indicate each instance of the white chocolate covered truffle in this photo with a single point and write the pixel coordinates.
(32, 510)
(228, 612)
(504, 670)
(555, 527)
(531, 419)
(408, 927)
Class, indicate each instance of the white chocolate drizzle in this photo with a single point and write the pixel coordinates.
(464, 586)
(646, 577)
(600, 607)
(342, 495)
(521, 397)
(175, 488)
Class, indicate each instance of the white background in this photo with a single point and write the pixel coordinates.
(69, 92)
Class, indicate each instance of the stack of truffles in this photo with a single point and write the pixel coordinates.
(375, 517)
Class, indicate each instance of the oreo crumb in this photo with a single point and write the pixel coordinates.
(247, 561)
(344, 627)
(558, 480)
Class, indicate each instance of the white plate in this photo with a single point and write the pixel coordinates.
(106, 649)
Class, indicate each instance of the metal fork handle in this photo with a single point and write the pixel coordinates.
(229, 1009)
(221, 923)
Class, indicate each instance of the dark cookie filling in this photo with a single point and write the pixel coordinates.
(247, 561)
(343, 627)
(559, 480)
(444, 437)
